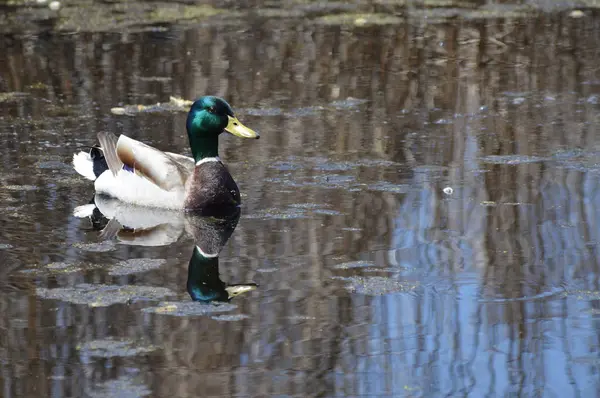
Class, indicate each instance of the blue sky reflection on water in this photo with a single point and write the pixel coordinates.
(519, 319)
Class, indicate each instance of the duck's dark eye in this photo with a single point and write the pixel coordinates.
(212, 109)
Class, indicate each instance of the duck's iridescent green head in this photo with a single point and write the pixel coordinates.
(208, 117)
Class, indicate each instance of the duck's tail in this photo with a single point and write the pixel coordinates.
(84, 211)
(84, 165)
(90, 164)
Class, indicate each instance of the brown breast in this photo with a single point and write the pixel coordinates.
(211, 187)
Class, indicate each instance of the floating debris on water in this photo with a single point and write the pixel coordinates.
(358, 19)
(388, 269)
(515, 94)
(384, 186)
(261, 112)
(277, 214)
(576, 14)
(70, 181)
(581, 166)
(489, 203)
(377, 285)
(582, 294)
(160, 79)
(53, 164)
(336, 180)
(328, 212)
(286, 166)
(314, 208)
(336, 166)
(512, 159)
(105, 246)
(308, 206)
(267, 270)
(376, 163)
(175, 104)
(448, 190)
(301, 318)
(189, 308)
(348, 103)
(109, 348)
(180, 104)
(104, 295)
(544, 295)
(592, 311)
(569, 154)
(354, 264)
(325, 164)
(59, 267)
(4, 246)
(136, 265)
(21, 187)
(577, 159)
(230, 318)
(306, 111)
(54, 5)
(278, 13)
(12, 96)
(122, 387)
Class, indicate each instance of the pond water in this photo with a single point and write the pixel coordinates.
(419, 217)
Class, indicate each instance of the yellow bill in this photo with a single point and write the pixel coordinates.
(236, 290)
(238, 129)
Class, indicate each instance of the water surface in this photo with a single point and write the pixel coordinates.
(419, 215)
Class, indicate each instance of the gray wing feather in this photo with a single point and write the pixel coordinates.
(108, 143)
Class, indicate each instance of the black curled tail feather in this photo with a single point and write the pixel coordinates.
(98, 160)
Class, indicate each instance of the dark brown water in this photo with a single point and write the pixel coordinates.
(420, 214)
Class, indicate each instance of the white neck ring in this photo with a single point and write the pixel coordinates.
(206, 160)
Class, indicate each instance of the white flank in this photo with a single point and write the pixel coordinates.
(84, 165)
(131, 188)
(84, 210)
(206, 160)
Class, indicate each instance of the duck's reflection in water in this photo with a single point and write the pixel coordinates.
(210, 235)
(139, 226)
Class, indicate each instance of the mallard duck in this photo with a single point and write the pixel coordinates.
(136, 173)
